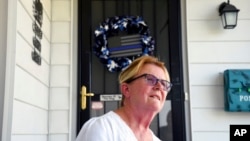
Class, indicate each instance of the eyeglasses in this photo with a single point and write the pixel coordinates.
(152, 80)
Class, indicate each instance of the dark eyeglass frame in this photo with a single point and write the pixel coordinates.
(154, 80)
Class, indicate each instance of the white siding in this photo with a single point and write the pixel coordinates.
(29, 119)
(31, 86)
(211, 50)
(38, 97)
(3, 50)
(41, 108)
(60, 80)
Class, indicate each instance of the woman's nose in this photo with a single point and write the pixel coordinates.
(158, 85)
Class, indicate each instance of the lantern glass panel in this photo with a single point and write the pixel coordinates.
(231, 18)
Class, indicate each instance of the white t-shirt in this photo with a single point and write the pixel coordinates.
(108, 127)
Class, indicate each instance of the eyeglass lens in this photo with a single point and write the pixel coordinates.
(152, 80)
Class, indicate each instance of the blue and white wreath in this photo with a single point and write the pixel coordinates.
(112, 27)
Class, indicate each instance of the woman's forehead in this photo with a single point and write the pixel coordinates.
(158, 71)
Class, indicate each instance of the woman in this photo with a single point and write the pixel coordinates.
(144, 85)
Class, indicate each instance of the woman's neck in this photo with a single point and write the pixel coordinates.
(138, 122)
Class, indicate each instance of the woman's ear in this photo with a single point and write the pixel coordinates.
(125, 89)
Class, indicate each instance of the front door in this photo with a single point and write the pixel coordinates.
(163, 20)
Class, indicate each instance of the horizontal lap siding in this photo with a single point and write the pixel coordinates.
(211, 136)
(60, 80)
(215, 119)
(212, 31)
(207, 97)
(29, 138)
(29, 119)
(24, 61)
(211, 50)
(31, 89)
(219, 52)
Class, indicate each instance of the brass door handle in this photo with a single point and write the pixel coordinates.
(84, 94)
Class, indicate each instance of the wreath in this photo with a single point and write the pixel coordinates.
(113, 27)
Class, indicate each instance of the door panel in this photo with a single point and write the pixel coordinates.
(98, 80)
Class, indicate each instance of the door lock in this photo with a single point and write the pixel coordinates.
(84, 94)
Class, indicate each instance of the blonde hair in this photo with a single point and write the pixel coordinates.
(134, 68)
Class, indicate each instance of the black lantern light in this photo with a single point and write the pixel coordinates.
(229, 15)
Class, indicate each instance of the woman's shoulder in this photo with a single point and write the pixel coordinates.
(96, 128)
(101, 120)
(155, 138)
(108, 127)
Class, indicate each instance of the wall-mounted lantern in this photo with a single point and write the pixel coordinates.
(229, 15)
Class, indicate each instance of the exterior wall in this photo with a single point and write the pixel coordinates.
(37, 102)
(211, 50)
(3, 35)
(60, 80)
(31, 81)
